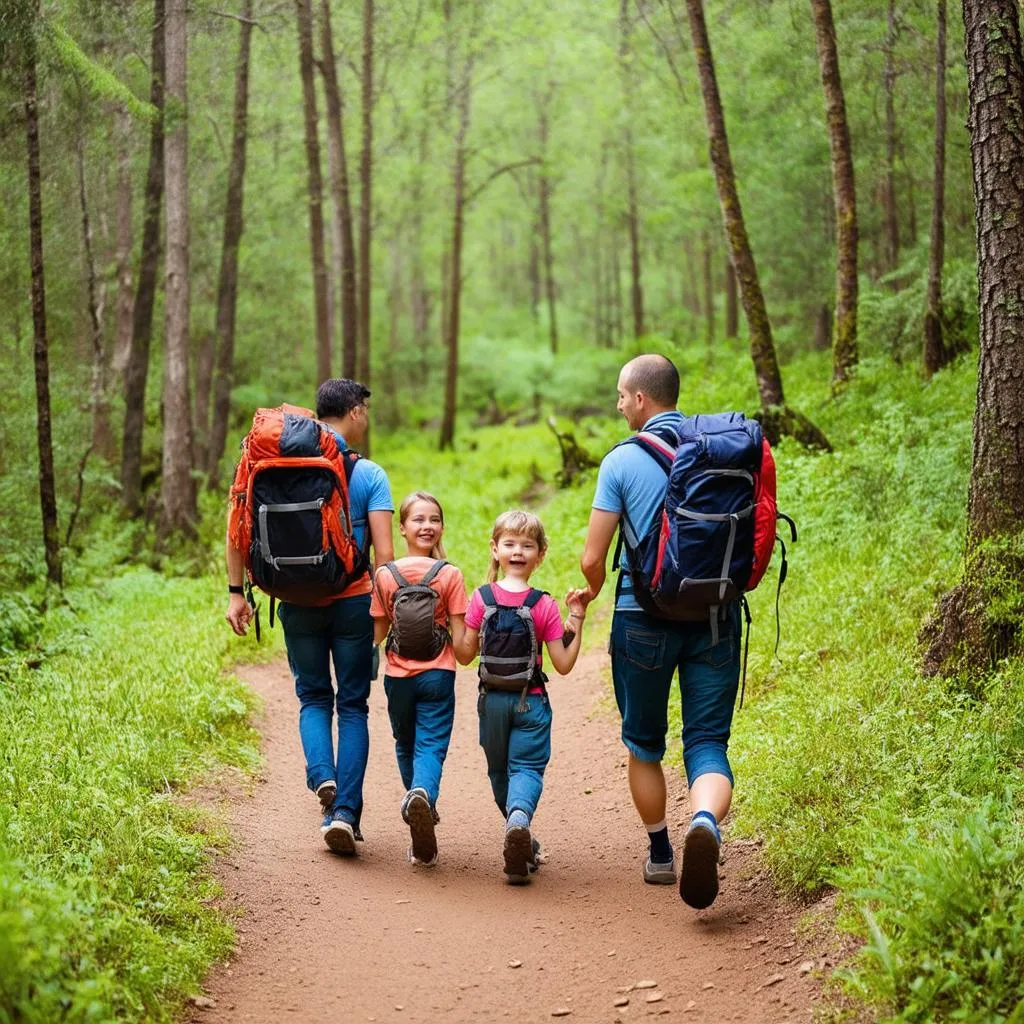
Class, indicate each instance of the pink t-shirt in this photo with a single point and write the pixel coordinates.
(547, 618)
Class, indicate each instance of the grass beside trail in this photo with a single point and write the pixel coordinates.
(104, 886)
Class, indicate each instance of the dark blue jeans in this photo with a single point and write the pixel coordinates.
(645, 655)
(422, 712)
(342, 632)
(518, 747)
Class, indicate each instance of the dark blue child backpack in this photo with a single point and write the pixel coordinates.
(509, 645)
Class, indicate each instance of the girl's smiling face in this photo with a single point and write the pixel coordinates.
(422, 527)
(517, 554)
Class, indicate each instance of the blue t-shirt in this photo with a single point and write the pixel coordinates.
(368, 491)
(631, 484)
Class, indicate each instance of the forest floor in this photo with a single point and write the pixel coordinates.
(371, 938)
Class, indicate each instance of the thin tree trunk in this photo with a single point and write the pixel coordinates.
(142, 313)
(447, 438)
(419, 298)
(777, 419)
(344, 245)
(632, 203)
(731, 300)
(391, 418)
(123, 245)
(544, 193)
(177, 490)
(616, 275)
(227, 286)
(844, 351)
(205, 357)
(970, 630)
(892, 224)
(709, 293)
(935, 355)
(366, 198)
(44, 438)
(304, 13)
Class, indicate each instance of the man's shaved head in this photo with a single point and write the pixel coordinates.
(654, 376)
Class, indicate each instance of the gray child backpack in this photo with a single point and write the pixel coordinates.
(415, 633)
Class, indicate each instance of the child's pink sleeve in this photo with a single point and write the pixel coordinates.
(475, 612)
(455, 593)
(549, 627)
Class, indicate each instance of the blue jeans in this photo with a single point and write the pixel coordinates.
(422, 712)
(518, 747)
(343, 632)
(645, 655)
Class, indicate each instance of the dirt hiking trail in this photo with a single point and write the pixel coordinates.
(323, 938)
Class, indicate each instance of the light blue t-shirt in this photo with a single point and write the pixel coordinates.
(631, 484)
(368, 491)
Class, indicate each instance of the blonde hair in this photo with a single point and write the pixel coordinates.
(519, 524)
(437, 551)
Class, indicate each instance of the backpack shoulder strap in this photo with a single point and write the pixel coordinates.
(399, 578)
(533, 597)
(487, 596)
(432, 572)
(659, 447)
(349, 459)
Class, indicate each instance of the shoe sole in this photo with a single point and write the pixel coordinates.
(341, 841)
(421, 829)
(327, 795)
(659, 875)
(518, 852)
(698, 880)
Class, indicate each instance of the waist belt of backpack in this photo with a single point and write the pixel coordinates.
(537, 679)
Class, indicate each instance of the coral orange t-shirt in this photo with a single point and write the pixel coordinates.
(451, 587)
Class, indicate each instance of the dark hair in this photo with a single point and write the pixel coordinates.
(338, 396)
(655, 376)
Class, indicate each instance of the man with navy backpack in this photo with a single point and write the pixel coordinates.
(647, 650)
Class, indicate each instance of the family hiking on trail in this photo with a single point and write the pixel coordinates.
(692, 500)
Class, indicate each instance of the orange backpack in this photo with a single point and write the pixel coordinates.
(289, 509)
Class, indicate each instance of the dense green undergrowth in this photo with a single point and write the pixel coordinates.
(856, 772)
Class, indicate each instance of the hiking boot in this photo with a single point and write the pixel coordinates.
(417, 812)
(656, 873)
(327, 792)
(519, 854)
(339, 835)
(698, 879)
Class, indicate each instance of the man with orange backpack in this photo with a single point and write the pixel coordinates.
(693, 500)
(304, 511)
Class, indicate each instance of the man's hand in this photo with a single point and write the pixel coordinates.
(239, 614)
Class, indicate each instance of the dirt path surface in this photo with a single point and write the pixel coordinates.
(324, 938)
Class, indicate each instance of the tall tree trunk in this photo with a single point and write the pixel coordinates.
(304, 14)
(544, 193)
(177, 490)
(391, 418)
(142, 313)
(892, 224)
(632, 203)
(709, 293)
(123, 244)
(616, 289)
(227, 285)
(366, 198)
(447, 438)
(935, 354)
(202, 389)
(969, 631)
(44, 437)
(101, 438)
(731, 304)
(419, 297)
(844, 350)
(777, 419)
(344, 245)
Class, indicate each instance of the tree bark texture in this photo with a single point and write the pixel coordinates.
(44, 434)
(177, 490)
(732, 322)
(123, 245)
(304, 14)
(227, 285)
(844, 350)
(544, 194)
(632, 202)
(935, 354)
(142, 313)
(455, 265)
(366, 198)
(892, 223)
(709, 293)
(344, 244)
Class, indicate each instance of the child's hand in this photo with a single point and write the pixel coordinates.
(576, 603)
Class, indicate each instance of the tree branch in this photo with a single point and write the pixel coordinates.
(497, 174)
(240, 18)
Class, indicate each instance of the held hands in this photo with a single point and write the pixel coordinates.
(577, 613)
(239, 614)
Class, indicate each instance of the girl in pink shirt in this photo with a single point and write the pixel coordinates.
(419, 604)
(507, 623)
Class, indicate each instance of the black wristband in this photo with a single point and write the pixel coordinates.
(235, 590)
